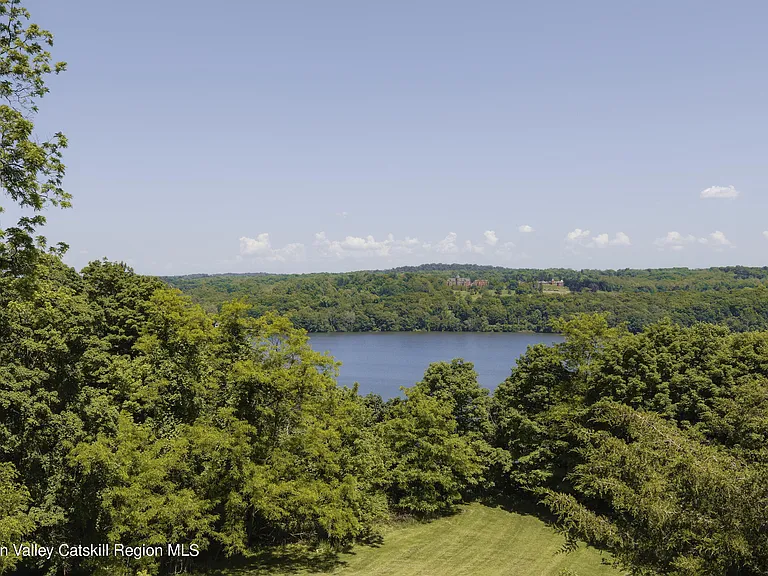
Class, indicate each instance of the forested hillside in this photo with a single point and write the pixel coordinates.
(420, 298)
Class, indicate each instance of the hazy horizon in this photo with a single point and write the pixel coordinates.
(456, 264)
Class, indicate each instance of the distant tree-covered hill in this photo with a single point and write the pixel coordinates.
(419, 298)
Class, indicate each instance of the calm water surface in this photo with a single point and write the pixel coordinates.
(383, 361)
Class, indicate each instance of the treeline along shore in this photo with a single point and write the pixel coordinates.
(487, 298)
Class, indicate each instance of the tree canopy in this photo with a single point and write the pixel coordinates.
(31, 170)
(419, 298)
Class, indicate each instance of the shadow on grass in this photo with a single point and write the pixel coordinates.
(372, 541)
(296, 559)
(289, 559)
(283, 560)
(524, 505)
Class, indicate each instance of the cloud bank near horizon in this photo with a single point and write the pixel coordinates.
(490, 245)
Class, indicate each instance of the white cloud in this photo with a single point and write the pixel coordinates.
(259, 246)
(293, 251)
(579, 238)
(621, 239)
(765, 234)
(472, 249)
(358, 246)
(447, 245)
(719, 192)
(676, 241)
(353, 245)
(342, 214)
(367, 243)
(525, 229)
(577, 235)
(407, 246)
(261, 249)
(716, 239)
(490, 238)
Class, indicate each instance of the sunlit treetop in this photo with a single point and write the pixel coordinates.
(31, 170)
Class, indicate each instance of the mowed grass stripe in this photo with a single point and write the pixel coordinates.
(478, 541)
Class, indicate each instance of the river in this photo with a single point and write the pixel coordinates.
(382, 362)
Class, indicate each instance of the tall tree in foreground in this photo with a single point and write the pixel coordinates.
(31, 170)
(649, 446)
(662, 502)
(456, 382)
(437, 440)
(431, 465)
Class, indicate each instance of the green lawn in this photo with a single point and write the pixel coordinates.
(478, 541)
(556, 290)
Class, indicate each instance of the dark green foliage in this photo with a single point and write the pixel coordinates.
(522, 413)
(16, 524)
(431, 464)
(652, 445)
(132, 416)
(661, 501)
(129, 414)
(419, 298)
(456, 384)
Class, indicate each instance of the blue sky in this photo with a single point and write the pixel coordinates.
(303, 136)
